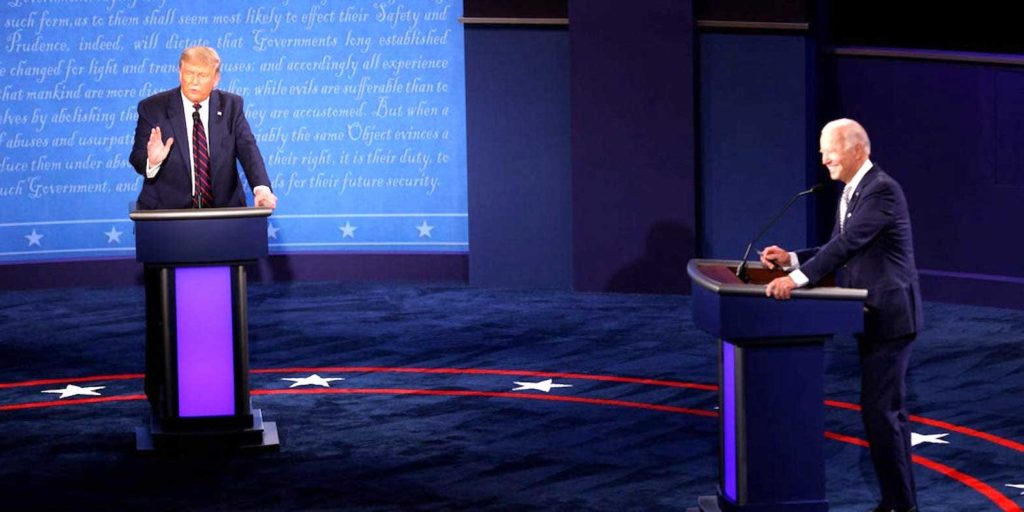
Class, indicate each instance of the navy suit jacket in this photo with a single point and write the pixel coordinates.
(875, 251)
(229, 137)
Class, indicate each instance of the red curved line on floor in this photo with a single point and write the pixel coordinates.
(1006, 443)
(973, 483)
(76, 401)
(70, 380)
(487, 371)
(1004, 503)
(967, 431)
(492, 394)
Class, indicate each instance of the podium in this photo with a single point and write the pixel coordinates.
(197, 340)
(771, 385)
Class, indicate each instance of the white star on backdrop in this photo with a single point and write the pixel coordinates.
(916, 439)
(272, 231)
(348, 230)
(425, 229)
(34, 238)
(73, 390)
(312, 380)
(113, 236)
(544, 385)
(1017, 486)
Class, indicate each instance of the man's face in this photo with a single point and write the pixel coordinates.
(197, 80)
(842, 162)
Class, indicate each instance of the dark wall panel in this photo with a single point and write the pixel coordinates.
(517, 95)
(950, 133)
(517, 9)
(632, 144)
(754, 141)
(292, 267)
(991, 27)
(775, 11)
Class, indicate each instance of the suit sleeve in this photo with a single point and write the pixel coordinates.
(875, 213)
(806, 254)
(143, 127)
(248, 152)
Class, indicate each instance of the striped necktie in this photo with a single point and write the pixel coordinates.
(844, 207)
(203, 197)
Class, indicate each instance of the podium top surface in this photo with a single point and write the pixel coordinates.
(200, 213)
(719, 277)
(200, 236)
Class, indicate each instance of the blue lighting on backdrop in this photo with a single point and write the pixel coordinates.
(358, 107)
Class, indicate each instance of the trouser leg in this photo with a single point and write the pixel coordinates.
(884, 367)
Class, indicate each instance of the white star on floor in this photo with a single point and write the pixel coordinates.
(73, 390)
(34, 238)
(348, 230)
(312, 380)
(1017, 486)
(544, 385)
(916, 439)
(113, 236)
(272, 231)
(425, 229)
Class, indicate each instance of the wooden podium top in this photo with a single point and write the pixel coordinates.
(719, 276)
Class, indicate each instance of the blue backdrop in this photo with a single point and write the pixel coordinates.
(359, 109)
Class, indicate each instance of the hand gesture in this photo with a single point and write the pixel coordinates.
(156, 148)
(774, 257)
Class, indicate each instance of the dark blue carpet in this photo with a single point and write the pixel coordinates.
(470, 442)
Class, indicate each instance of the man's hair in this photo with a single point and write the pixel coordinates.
(202, 54)
(852, 132)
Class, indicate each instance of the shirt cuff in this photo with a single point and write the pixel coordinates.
(152, 170)
(799, 278)
(257, 188)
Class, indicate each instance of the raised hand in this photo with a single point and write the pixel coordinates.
(156, 148)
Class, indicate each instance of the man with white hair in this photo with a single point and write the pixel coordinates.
(871, 247)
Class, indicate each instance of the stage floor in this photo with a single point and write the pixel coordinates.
(445, 397)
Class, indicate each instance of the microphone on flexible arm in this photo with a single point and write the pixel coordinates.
(741, 270)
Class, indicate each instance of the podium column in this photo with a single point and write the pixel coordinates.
(771, 385)
(197, 328)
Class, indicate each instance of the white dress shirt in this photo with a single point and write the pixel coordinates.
(204, 116)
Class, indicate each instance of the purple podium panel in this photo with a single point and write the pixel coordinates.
(728, 407)
(205, 341)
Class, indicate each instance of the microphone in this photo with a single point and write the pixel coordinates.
(741, 270)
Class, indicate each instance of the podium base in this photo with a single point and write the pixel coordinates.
(261, 437)
(706, 504)
(711, 504)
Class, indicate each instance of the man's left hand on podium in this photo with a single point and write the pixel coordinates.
(780, 288)
(265, 198)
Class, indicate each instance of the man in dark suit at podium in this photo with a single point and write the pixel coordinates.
(194, 166)
(209, 126)
(871, 247)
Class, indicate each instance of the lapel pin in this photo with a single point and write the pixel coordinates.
(219, 113)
